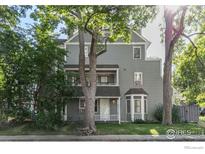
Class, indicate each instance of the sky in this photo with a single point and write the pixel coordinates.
(151, 32)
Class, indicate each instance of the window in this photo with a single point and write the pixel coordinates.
(128, 106)
(86, 51)
(138, 78)
(145, 104)
(137, 105)
(136, 52)
(96, 105)
(81, 105)
(103, 79)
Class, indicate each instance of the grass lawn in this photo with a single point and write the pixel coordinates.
(105, 129)
(202, 118)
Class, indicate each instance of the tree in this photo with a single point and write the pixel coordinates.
(189, 76)
(175, 29)
(103, 23)
(33, 71)
(172, 34)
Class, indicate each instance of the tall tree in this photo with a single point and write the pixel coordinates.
(103, 23)
(172, 34)
(175, 21)
(189, 76)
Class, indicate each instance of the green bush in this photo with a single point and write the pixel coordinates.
(48, 120)
(140, 121)
(158, 113)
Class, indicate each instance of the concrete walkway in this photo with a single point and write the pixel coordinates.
(100, 138)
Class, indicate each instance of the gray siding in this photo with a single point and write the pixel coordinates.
(123, 56)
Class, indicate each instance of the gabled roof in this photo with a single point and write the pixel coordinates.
(135, 36)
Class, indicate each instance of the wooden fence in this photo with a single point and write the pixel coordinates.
(189, 113)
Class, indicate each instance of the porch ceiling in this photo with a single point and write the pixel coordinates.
(104, 91)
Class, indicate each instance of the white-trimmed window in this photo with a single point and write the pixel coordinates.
(137, 103)
(138, 78)
(103, 79)
(86, 51)
(137, 52)
(81, 105)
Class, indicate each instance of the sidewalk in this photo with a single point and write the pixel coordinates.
(100, 138)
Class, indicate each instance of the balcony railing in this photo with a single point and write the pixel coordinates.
(106, 83)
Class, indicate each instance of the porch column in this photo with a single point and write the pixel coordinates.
(142, 106)
(118, 109)
(132, 111)
(65, 113)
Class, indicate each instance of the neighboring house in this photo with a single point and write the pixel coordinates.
(129, 86)
(177, 97)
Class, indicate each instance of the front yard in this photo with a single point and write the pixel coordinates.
(106, 129)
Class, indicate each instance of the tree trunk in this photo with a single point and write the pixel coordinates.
(89, 89)
(90, 106)
(172, 34)
(167, 89)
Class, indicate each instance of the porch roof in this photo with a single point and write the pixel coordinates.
(97, 66)
(132, 91)
(105, 91)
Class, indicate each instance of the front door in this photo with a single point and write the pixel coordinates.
(104, 109)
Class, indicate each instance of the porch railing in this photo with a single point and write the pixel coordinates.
(107, 117)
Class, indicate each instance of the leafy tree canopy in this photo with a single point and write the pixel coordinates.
(189, 76)
(117, 20)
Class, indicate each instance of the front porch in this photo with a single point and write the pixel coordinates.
(107, 109)
(107, 105)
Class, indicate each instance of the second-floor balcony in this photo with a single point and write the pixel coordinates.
(107, 75)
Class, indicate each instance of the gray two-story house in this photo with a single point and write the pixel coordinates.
(129, 85)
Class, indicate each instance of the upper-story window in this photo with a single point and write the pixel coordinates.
(103, 79)
(138, 78)
(137, 52)
(86, 51)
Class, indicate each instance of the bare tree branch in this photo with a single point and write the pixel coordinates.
(178, 31)
(195, 49)
(197, 33)
(178, 10)
(86, 24)
(104, 50)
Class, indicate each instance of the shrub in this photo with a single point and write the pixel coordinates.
(140, 121)
(47, 120)
(158, 113)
